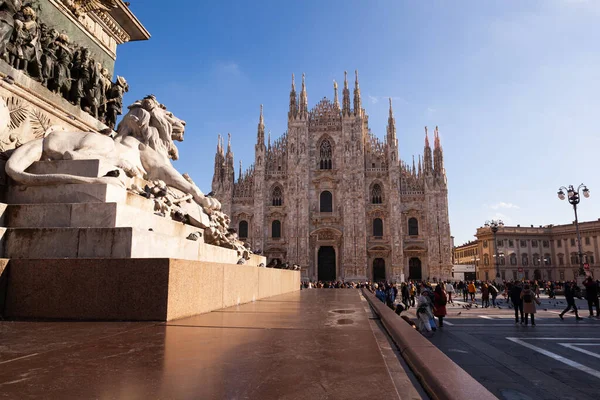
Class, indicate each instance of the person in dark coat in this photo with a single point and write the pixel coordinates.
(570, 293)
(515, 298)
(591, 295)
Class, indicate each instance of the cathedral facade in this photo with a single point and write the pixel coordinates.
(331, 197)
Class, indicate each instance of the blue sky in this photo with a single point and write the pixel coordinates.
(512, 84)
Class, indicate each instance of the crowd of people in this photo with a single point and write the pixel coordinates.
(430, 299)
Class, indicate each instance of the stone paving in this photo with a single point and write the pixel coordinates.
(311, 344)
(553, 360)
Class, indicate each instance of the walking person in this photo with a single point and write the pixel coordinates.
(413, 293)
(450, 291)
(591, 295)
(439, 304)
(405, 295)
(424, 313)
(570, 293)
(529, 300)
(494, 293)
(515, 298)
(472, 290)
(485, 295)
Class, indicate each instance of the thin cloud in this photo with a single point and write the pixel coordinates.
(504, 205)
(229, 68)
(395, 99)
(374, 99)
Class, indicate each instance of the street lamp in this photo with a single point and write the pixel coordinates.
(494, 225)
(574, 198)
(475, 259)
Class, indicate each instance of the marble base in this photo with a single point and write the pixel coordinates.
(135, 289)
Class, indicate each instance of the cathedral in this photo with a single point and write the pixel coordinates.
(334, 199)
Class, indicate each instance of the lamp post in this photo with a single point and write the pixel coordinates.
(574, 198)
(475, 259)
(494, 225)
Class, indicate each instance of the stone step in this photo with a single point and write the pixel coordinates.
(76, 193)
(89, 215)
(122, 242)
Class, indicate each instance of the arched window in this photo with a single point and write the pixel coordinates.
(325, 155)
(502, 259)
(524, 259)
(536, 259)
(326, 202)
(243, 229)
(547, 259)
(513, 259)
(376, 194)
(486, 259)
(276, 229)
(413, 227)
(277, 196)
(574, 259)
(377, 227)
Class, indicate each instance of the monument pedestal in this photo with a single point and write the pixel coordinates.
(101, 252)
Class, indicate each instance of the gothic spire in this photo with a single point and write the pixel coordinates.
(293, 102)
(357, 105)
(427, 161)
(346, 96)
(269, 139)
(303, 108)
(260, 136)
(229, 143)
(391, 128)
(438, 154)
(240, 174)
(336, 102)
(420, 168)
(414, 169)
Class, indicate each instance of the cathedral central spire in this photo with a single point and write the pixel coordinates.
(427, 161)
(391, 128)
(357, 104)
(346, 96)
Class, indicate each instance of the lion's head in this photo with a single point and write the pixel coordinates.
(152, 124)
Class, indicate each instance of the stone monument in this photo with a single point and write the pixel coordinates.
(97, 223)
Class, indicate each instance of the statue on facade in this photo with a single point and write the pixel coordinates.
(25, 48)
(114, 101)
(81, 75)
(8, 8)
(82, 7)
(61, 80)
(49, 57)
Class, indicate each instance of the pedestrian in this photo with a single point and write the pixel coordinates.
(570, 294)
(439, 304)
(379, 293)
(413, 293)
(450, 291)
(472, 290)
(515, 298)
(494, 293)
(485, 295)
(529, 300)
(591, 295)
(424, 312)
(405, 295)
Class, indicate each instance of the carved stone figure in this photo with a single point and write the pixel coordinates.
(49, 57)
(114, 101)
(131, 151)
(81, 74)
(61, 81)
(8, 8)
(25, 47)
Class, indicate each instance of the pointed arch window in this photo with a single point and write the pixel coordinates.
(276, 229)
(413, 227)
(277, 196)
(376, 194)
(243, 229)
(377, 227)
(325, 155)
(326, 201)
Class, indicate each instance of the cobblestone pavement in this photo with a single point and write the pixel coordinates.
(556, 359)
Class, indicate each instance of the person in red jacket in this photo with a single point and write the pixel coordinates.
(439, 303)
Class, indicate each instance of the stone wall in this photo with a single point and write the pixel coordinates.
(135, 289)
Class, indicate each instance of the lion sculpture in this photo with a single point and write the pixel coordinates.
(142, 147)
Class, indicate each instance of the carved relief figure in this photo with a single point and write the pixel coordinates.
(8, 8)
(25, 49)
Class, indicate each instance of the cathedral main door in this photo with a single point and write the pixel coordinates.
(378, 270)
(326, 263)
(414, 269)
